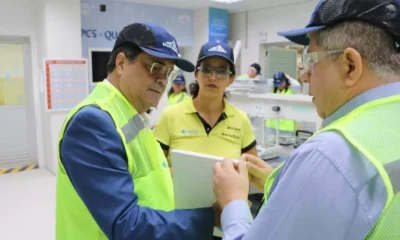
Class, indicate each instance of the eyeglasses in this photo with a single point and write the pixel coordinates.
(219, 71)
(311, 58)
(161, 71)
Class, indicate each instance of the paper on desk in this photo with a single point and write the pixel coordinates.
(193, 179)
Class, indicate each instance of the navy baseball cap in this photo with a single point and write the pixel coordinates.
(257, 67)
(154, 40)
(217, 49)
(279, 79)
(180, 79)
(382, 13)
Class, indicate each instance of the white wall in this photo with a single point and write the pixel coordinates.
(200, 37)
(59, 29)
(269, 21)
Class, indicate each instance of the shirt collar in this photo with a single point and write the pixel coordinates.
(384, 91)
(228, 109)
(107, 82)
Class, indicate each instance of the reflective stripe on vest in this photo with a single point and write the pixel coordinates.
(132, 128)
(363, 128)
(393, 170)
(146, 163)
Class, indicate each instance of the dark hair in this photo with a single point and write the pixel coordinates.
(131, 51)
(286, 87)
(171, 91)
(194, 88)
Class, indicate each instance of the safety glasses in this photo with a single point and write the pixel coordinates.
(159, 70)
(311, 58)
(220, 72)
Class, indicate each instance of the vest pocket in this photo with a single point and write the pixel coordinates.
(155, 190)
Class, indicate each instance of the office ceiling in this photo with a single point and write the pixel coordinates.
(240, 6)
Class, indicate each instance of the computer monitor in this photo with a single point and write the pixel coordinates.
(98, 60)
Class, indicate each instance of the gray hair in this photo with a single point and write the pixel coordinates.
(373, 43)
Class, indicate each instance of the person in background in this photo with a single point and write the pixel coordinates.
(282, 85)
(113, 180)
(178, 91)
(282, 82)
(208, 123)
(253, 73)
(344, 182)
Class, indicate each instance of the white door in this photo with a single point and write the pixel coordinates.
(15, 144)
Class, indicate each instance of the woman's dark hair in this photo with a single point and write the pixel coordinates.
(286, 86)
(194, 88)
(131, 51)
(171, 91)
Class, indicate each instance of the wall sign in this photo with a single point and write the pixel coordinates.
(218, 24)
(102, 20)
(66, 83)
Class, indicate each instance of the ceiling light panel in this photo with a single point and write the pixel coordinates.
(225, 1)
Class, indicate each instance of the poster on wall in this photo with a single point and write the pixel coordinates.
(218, 25)
(67, 83)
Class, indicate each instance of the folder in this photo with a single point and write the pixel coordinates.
(193, 179)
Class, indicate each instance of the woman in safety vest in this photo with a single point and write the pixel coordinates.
(178, 91)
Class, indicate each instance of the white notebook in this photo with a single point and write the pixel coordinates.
(193, 179)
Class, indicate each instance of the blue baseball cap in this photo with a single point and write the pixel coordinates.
(217, 49)
(155, 41)
(279, 79)
(180, 79)
(382, 13)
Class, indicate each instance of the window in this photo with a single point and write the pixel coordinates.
(12, 80)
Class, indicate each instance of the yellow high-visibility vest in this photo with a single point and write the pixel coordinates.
(146, 163)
